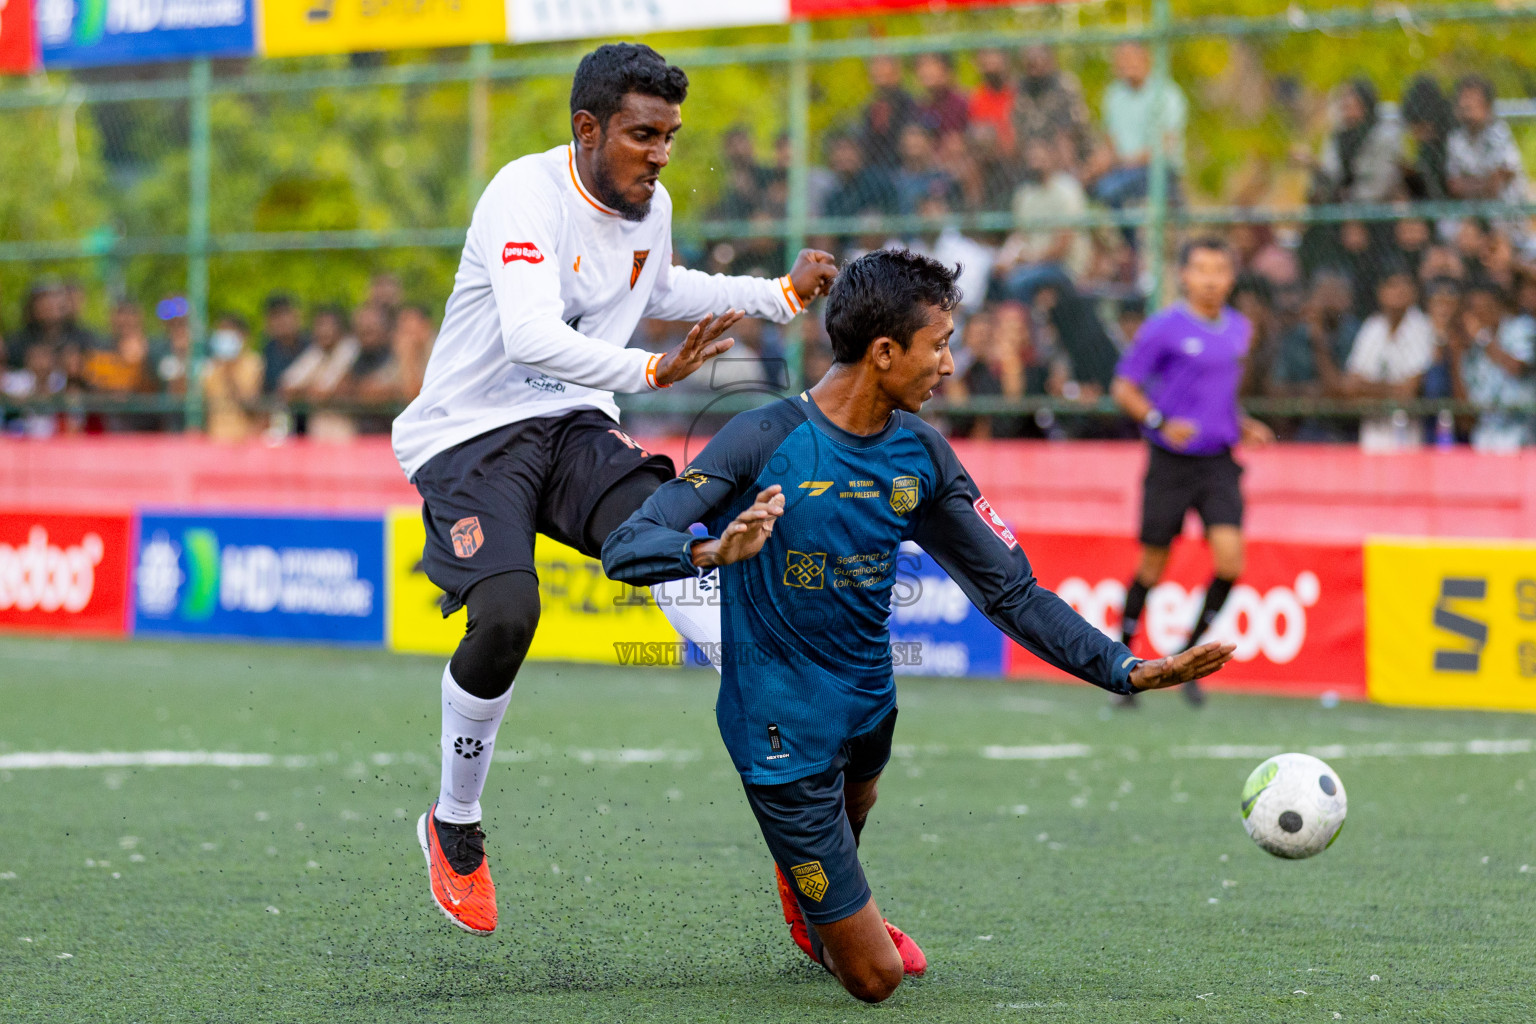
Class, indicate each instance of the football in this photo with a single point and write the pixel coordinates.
(1293, 806)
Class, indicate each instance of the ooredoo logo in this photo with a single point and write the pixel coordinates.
(1272, 623)
(521, 251)
(992, 519)
(40, 576)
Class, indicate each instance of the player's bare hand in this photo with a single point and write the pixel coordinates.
(1179, 432)
(747, 533)
(812, 274)
(1195, 663)
(1256, 434)
(702, 344)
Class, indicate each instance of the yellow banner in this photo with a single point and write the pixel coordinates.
(290, 28)
(583, 614)
(1451, 623)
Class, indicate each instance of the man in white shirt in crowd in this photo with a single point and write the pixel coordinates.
(515, 431)
(1482, 160)
(1394, 348)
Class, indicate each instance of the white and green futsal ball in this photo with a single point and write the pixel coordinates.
(1294, 806)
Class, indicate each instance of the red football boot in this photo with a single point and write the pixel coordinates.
(913, 962)
(459, 872)
(798, 929)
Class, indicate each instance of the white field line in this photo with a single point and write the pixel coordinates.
(23, 761)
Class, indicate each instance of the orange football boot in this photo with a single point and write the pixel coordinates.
(459, 872)
(790, 904)
(913, 961)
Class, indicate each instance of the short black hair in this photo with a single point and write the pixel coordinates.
(606, 74)
(1208, 243)
(884, 294)
(1257, 285)
(278, 301)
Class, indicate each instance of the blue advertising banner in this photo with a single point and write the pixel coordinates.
(935, 630)
(263, 578)
(84, 33)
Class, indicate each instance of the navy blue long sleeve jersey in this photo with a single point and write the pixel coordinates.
(806, 658)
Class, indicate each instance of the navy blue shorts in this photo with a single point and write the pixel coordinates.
(808, 832)
(485, 499)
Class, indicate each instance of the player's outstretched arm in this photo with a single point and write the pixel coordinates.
(702, 344)
(1195, 663)
(683, 294)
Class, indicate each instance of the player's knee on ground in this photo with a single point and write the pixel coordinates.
(503, 614)
(872, 979)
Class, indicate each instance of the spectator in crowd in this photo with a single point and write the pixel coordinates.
(942, 109)
(1365, 250)
(170, 355)
(1359, 161)
(282, 338)
(232, 382)
(1482, 161)
(1443, 379)
(1049, 104)
(1441, 260)
(890, 109)
(372, 330)
(1472, 237)
(386, 295)
(1001, 364)
(1034, 258)
(1256, 251)
(1412, 238)
(46, 322)
(122, 370)
(74, 314)
(1500, 369)
(861, 188)
(952, 248)
(1133, 108)
(992, 101)
(996, 168)
(1390, 355)
(321, 368)
(919, 178)
(398, 379)
(1083, 356)
(1254, 296)
(1313, 353)
(1429, 118)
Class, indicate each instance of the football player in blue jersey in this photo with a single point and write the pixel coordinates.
(807, 501)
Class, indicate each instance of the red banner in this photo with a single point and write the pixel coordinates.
(1297, 615)
(18, 42)
(864, 8)
(64, 573)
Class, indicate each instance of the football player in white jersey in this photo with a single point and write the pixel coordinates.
(516, 431)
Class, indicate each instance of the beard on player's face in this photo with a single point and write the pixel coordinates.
(611, 193)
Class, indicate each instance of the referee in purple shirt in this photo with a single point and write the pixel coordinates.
(1179, 380)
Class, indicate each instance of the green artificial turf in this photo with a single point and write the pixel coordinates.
(1108, 884)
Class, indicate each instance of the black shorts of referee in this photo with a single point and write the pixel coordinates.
(1176, 483)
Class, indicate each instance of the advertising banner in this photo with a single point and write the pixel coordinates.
(84, 33)
(294, 27)
(1297, 615)
(584, 616)
(268, 578)
(530, 20)
(935, 630)
(1451, 623)
(18, 41)
(64, 573)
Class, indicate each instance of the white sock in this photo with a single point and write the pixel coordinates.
(692, 605)
(469, 737)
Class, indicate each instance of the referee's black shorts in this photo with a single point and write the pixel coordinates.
(484, 500)
(1175, 483)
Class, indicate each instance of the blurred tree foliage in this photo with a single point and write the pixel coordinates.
(375, 158)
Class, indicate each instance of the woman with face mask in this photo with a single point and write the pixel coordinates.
(232, 379)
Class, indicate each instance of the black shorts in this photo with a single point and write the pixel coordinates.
(808, 832)
(1209, 484)
(483, 500)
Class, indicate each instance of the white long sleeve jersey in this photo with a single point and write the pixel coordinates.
(549, 289)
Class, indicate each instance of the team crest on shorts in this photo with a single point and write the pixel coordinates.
(467, 536)
(811, 879)
(805, 569)
(903, 494)
(641, 255)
